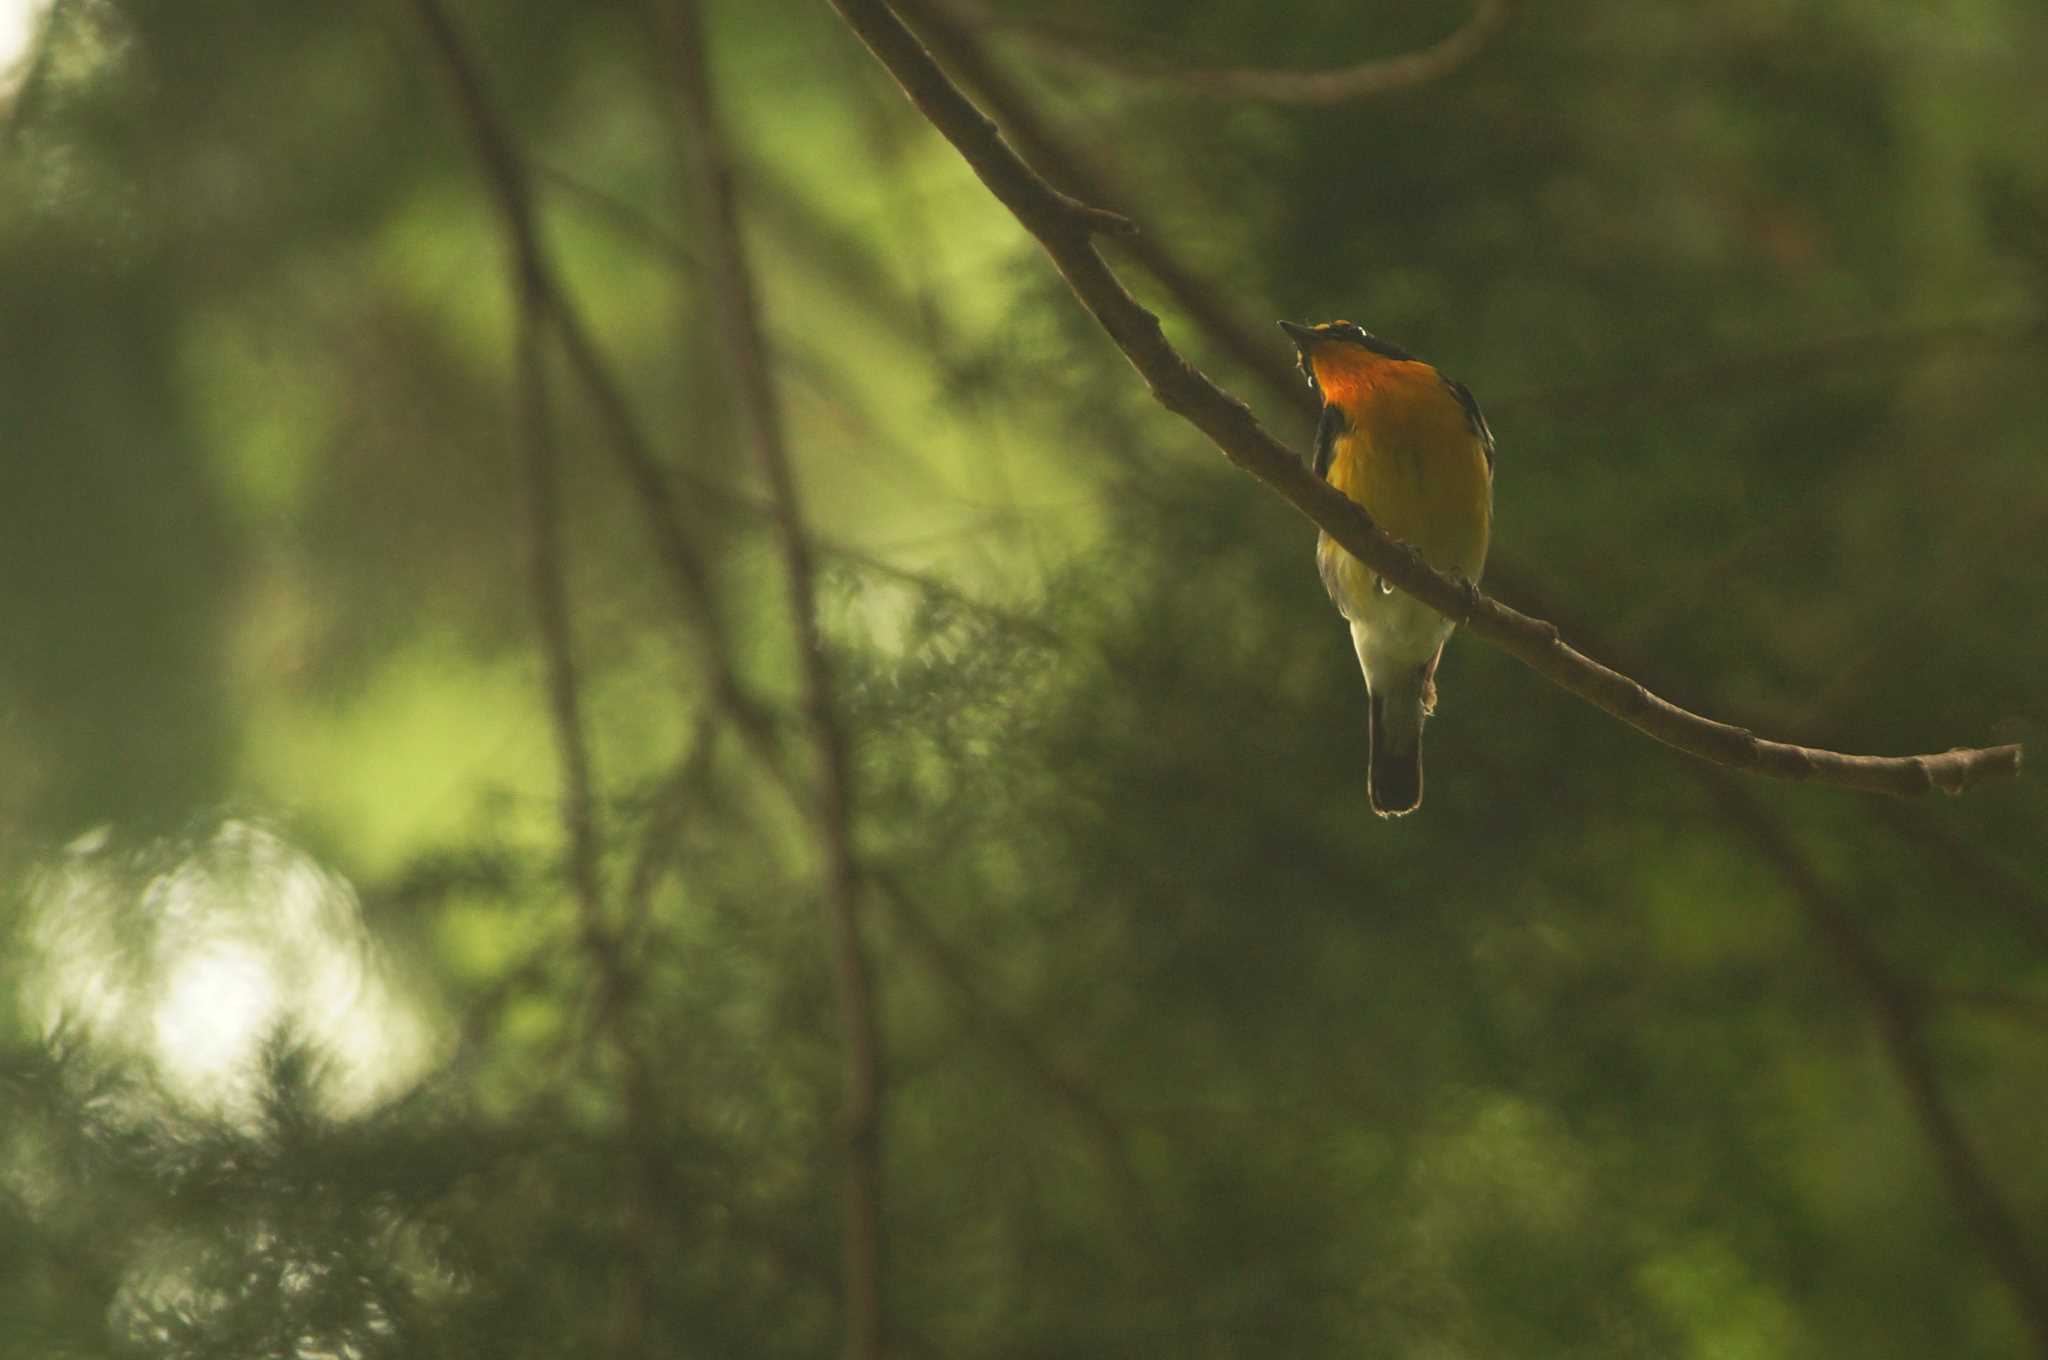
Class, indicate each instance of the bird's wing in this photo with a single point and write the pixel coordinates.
(1474, 416)
(1333, 424)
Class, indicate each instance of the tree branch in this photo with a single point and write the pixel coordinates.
(732, 285)
(1085, 175)
(1198, 299)
(535, 278)
(663, 828)
(578, 812)
(1066, 235)
(1380, 75)
(1079, 175)
(551, 614)
(1897, 1012)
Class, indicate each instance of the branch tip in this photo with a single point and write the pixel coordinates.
(1103, 222)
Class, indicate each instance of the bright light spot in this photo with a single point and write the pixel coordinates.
(194, 968)
(213, 1003)
(18, 22)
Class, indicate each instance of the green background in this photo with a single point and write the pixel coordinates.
(303, 1048)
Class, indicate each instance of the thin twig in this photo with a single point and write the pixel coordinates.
(506, 173)
(543, 303)
(551, 614)
(1083, 177)
(578, 810)
(1066, 231)
(731, 281)
(1270, 85)
(662, 829)
(628, 219)
(1897, 1012)
(792, 210)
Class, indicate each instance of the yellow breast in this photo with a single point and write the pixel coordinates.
(1412, 460)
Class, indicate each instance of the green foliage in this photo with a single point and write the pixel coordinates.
(306, 1046)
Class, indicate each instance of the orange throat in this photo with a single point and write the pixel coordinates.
(1346, 374)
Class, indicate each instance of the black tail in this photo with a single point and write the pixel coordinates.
(1394, 777)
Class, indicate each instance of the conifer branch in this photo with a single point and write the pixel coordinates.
(1230, 425)
(731, 283)
(1271, 85)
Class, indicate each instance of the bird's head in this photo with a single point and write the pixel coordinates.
(1335, 355)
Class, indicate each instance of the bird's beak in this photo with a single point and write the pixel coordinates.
(1303, 336)
(1305, 339)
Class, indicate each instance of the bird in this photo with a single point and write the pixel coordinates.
(1413, 448)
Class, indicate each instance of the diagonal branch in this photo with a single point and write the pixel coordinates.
(1198, 300)
(1085, 175)
(535, 279)
(578, 812)
(551, 613)
(1082, 177)
(1897, 1011)
(1342, 85)
(578, 806)
(1067, 236)
(732, 285)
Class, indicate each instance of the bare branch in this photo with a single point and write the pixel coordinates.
(662, 829)
(732, 285)
(627, 219)
(542, 302)
(665, 245)
(1381, 75)
(578, 811)
(1184, 390)
(1197, 299)
(1897, 1012)
(535, 278)
(1084, 174)
(551, 613)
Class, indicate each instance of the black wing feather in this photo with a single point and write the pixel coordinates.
(1473, 416)
(1332, 424)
